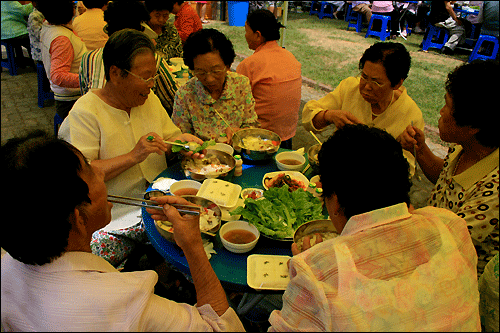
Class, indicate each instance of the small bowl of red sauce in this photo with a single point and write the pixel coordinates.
(253, 193)
(239, 236)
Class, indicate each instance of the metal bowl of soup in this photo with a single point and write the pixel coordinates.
(215, 164)
(256, 144)
(212, 214)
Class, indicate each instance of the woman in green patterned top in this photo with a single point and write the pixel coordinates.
(168, 43)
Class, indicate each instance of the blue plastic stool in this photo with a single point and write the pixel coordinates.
(385, 24)
(436, 37)
(324, 6)
(313, 11)
(10, 62)
(57, 123)
(44, 92)
(484, 38)
(351, 16)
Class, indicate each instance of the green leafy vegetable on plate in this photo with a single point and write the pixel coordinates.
(279, 212)
(193, 146)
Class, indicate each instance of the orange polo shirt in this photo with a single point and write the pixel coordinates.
(276, 79)
(187, 21)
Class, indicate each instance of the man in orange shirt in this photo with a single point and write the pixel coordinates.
(275, 76)
(187, 20)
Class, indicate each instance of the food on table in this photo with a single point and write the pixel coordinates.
(255, 194)
(193, 146)
(221, 192)
(290, 161)
(280, 212)
(186, 191)
(282, 179)
(207, 166)
(239, 236)
(208, 220)
(257, 143)
(325, 235)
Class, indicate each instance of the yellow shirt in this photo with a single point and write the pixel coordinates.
(472, 195)
(346, 96)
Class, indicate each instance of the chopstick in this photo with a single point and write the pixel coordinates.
(315, 137)
(224, 120)
(186, 209)
(415, 156)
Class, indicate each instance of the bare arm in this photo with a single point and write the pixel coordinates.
(187, 235)
(449, 8)
(413, 139)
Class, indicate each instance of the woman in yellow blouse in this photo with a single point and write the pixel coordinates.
(466, 181)
(375, 97)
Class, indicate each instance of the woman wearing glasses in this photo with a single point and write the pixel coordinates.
(214, 95)
(375, 97)
(121, 127)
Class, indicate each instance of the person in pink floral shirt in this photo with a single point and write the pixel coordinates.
(392, 268)
(214, 95)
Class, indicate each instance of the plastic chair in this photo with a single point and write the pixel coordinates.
(484, 38)
(315, 4)
(351, 16)
(10, 62)
(385, 24)
(436, 37)
(57, 123)
(44, 92)
(323, 12)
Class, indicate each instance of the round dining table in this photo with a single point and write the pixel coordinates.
(230, 268)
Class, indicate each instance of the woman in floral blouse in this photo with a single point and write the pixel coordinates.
(214, 95)
(466, 181)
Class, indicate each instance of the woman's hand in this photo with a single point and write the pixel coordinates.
(186, 137)
(412, 137)
(144, 147)
(186, 227)
(340, 118)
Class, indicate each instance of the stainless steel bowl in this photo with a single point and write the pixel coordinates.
(205, 203)
(255, 155)
(222, 156)
(312, 156)
(312, 227)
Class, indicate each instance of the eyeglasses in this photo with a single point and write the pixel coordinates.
(365, 78)
(151, 79)
(215, 72)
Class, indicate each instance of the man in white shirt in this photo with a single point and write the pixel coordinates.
(51, 281)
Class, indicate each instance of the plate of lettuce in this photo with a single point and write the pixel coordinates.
(278, 213)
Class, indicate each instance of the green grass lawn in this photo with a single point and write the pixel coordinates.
(328, 54)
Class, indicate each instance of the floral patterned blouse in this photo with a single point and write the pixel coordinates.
(169, 44)
(472, 195)
(194, 107)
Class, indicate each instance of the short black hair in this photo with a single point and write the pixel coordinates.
(264, 21)
(159, 5)
(42, 174)
(394, 57)
(365, 167)
(473, 88)
(122, 47)
(123, 14)
(89, 4)
(206, 41)
(56, 12)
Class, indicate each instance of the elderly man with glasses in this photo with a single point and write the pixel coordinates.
(376, 96)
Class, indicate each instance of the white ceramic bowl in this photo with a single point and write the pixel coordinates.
(185, 184)
(290, 155)
(223, 147)
(245, 192)
(238, 225)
